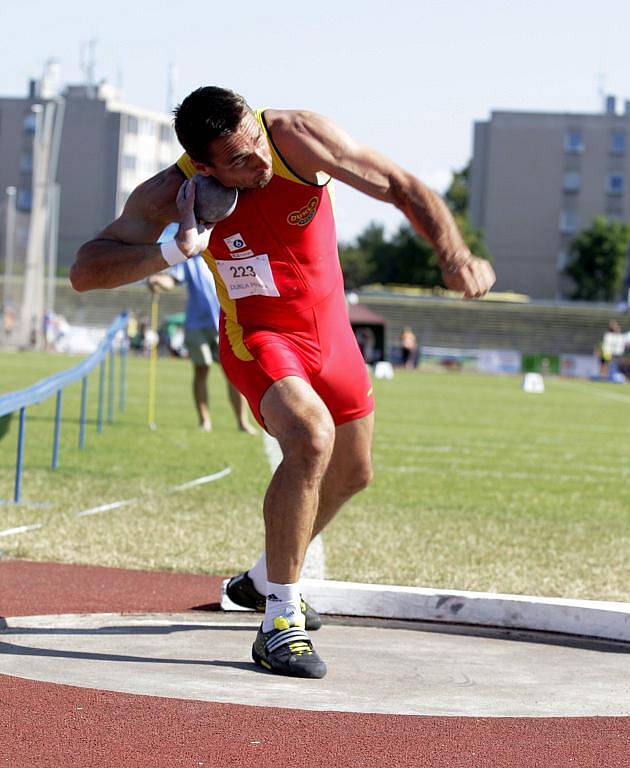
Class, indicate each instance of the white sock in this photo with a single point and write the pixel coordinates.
(283, 600)
(258, 574)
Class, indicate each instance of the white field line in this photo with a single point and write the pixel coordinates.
(314, 566)
(202, 480)
(531, 459)
(273, 451)
(20, 529)
(104, 508)
(596, 391)
(499, 474)
(173, 488)
(117, 504)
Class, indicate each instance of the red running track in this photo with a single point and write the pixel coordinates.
(44, 725)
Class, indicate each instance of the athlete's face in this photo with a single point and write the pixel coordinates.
(241, 159)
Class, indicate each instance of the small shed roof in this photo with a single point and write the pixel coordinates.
(361, 315)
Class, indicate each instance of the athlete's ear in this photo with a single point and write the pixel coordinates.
(202, 168)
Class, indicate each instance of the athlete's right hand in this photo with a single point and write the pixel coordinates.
(192, 236)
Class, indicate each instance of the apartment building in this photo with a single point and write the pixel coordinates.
(537, 179)
(107, 147)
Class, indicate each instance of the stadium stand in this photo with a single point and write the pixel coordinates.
(527, 326)
(530, 327)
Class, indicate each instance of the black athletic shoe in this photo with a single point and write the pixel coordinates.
(241, 590)
(287, 650)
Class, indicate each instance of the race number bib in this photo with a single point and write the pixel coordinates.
(248, 277)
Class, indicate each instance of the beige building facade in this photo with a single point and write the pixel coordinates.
(107, 147)
(537, 180)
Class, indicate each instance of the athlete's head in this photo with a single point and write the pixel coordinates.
(223, 138)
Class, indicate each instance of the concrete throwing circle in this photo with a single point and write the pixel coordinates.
(379, 666)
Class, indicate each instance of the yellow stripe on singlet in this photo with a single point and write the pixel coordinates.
(233, 329)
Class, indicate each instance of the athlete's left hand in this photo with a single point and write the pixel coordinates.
(468, 274)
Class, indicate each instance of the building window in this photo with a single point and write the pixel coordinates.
(166, 134)
(147, 127)
(562, 260)
(568, 222)
(30, 123)
(617, 143)
(614, 184)
(573, 143)
(26, 162)
(24, 199)
(132, 124)
(129, 162)
(571, 182)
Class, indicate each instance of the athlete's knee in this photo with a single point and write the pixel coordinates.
(310, 441)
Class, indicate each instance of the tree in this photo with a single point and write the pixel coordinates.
(458, 193)
(598, 260)
(406, 258)
(356, 266)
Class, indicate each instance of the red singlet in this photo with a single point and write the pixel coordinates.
(280, 286)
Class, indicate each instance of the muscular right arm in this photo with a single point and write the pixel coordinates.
(126, 251)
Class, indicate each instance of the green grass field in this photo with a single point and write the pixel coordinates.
(478, 485)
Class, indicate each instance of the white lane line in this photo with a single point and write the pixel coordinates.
(117, 504)
(500, 474)
(104, 508)
(273, 451)
(596, 391)
(20, 529)
(182, 487)
(314, 566)
(202, 480)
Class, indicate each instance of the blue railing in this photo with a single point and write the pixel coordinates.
(55, 384)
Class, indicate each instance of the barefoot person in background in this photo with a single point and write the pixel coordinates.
(285, 338)
(201, 332)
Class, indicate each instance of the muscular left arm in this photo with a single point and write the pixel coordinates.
(314, 143)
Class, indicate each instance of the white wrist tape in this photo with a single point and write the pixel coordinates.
(171, 253)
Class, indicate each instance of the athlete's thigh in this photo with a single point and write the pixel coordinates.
(253, 372)
(353, 440)
(291, 405)
(343, 382)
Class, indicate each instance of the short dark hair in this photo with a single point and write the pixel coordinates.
(207, 114)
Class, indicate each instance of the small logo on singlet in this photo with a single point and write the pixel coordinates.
(235, 242)
(302, 217)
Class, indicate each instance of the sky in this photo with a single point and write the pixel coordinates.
(407, 78)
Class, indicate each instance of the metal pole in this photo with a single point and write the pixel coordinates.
(53, 236)
(83, 413)
(9, 246)
(20, 457)
(153, 360)
(32, 310)
(110, 389)
(123, 374)
(101, 392)
(53, 191)
(55, 456)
